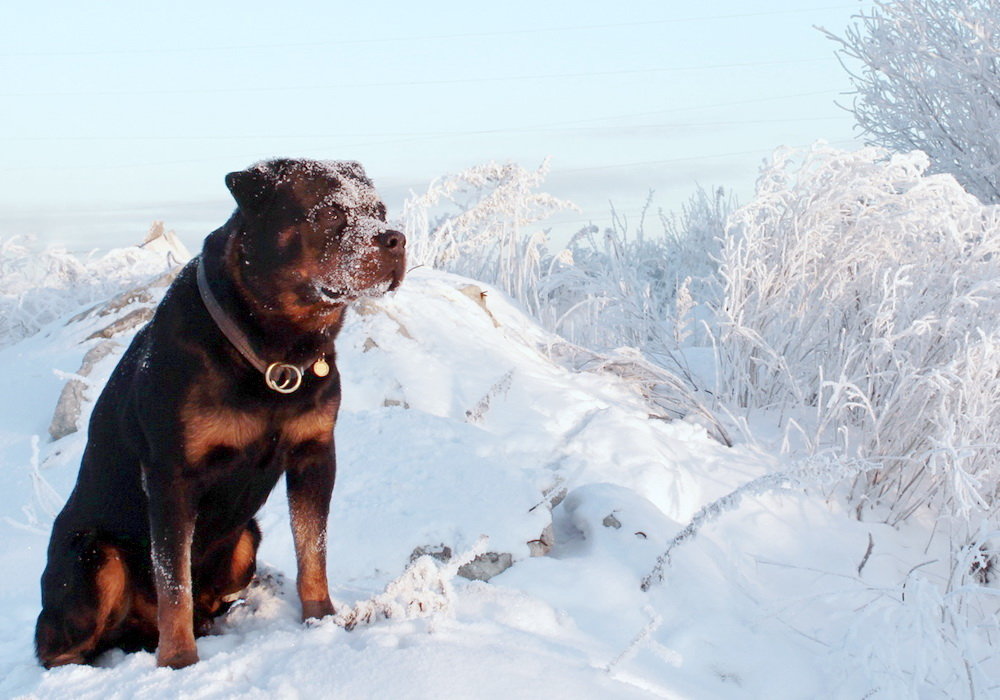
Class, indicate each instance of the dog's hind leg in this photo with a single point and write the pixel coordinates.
(85, 597)
(226, 570)
(243, 563)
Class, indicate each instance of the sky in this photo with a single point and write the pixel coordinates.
(115, 114)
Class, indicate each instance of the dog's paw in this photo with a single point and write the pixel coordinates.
(316, 609)
(175, 659)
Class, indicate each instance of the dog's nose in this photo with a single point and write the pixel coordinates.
(392, 240)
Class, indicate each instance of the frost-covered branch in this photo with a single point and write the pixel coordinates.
(822, 469)
(425, 587)
(927, 76)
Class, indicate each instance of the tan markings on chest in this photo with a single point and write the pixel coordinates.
(315, 425)
(208, 427)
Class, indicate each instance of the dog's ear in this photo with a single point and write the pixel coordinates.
(251, 188)
(355, 168)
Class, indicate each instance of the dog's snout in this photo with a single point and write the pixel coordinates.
(392, 240)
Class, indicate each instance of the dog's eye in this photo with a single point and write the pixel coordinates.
(331, 237)
(334, 221)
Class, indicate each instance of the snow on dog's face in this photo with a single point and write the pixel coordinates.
(313, 238)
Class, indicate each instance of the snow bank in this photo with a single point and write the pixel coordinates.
(38, 286)
(458, 423)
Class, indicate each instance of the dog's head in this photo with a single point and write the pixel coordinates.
(313, 237)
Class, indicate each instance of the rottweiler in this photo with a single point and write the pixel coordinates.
(232, 384)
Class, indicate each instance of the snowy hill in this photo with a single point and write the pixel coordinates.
(460, 421)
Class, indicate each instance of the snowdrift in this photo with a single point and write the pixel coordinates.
(471, 445)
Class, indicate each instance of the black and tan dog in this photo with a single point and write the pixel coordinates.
(230, 385)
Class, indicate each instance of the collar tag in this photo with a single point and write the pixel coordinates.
(321, 368)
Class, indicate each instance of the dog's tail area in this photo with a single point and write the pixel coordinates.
(86, 595)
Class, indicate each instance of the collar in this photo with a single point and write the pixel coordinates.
(282, 377)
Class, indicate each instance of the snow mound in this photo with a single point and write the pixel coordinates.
(38, 286)
(462, 420)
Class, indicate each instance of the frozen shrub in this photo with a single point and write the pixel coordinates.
(859, 286)
(474, 224)
(605, 289)
(38, 286)
(624, 287)
(928, 80)
(23, 310)
(694, 240)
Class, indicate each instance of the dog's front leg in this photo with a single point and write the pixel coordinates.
(309, 482)
(171, 526)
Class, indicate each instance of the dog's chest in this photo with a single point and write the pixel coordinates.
(213, 435)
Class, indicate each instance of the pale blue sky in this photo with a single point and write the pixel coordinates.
(113, 114)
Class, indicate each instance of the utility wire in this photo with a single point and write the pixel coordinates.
(684, 158)
(244, 156)
(424, 134)
(413, 83)
(429, 37)
(609, 117)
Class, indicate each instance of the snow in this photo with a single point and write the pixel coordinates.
(457, 424)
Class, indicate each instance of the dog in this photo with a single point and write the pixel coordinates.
(231, 385)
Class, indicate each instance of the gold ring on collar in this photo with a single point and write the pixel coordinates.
(283, 377)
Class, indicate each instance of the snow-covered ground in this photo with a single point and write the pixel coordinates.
(457, 424)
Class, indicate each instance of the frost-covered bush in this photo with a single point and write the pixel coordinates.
(694, 240)
(630, 288)
(475, 224)
(39, 285)
(861, 287)
(929, 78)
(604, 289)
(607, 289)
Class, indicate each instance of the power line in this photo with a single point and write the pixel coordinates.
(146, 207)
(589, 120)
(422, 134)
(244, 157)
(667, 161)
(411, 139)
(416, 83)
(430, 37)
(687, 108)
